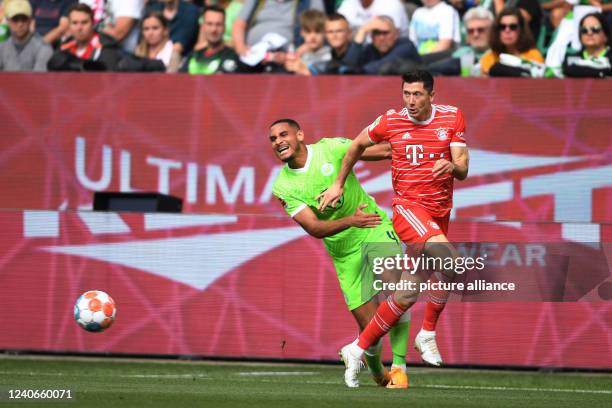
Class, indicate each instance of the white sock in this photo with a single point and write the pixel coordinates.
(355, 350)
(403, 366)
(427, 332)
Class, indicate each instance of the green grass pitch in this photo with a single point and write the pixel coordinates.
(109, 383)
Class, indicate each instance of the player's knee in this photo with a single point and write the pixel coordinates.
(405, 299)
(440, 257)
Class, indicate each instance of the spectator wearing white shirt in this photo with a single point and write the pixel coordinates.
(360, 12)
(435, 27)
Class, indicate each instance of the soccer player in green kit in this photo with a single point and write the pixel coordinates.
(354, 232)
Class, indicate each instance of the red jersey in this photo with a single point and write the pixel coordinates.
(416, 146)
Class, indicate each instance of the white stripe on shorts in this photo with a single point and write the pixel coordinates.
(418, 227)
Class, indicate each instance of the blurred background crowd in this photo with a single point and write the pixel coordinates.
(511, 38)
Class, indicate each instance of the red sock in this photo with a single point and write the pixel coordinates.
(387, 314)
(435, 305)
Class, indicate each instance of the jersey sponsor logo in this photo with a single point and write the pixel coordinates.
(414, 153)
(442, 134)
(327, 169)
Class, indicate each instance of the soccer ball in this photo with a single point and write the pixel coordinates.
(95, 311)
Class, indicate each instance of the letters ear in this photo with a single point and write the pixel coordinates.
(431, 95)
(300, 135)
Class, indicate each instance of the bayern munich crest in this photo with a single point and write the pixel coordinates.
(442, 134)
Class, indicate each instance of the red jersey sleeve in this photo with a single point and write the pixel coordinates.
(377, 130)
(458, 138)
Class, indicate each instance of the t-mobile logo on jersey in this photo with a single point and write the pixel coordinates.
(415, 152)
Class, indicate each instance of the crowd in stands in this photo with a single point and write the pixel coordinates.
(511, 38)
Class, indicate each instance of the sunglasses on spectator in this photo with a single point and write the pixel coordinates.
(592, 30)
(380, 32)
(475, 30)
(511, 27)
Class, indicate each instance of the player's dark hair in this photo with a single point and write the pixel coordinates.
(290, 122)
(419, 75)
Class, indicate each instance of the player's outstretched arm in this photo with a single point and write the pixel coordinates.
(354, 152)
(381, 151)
(326, 228)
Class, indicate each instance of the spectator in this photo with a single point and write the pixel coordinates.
(386, 49)
(155, 40)
(510, 36)
(360, 12)
(183, 18)
(51, 17)
(338, 35)
(530, 9)
(260, 17)
(24, 50)
(466, 59)
(85, 49)
(232, 9)
(120, 21)
(314, 50)
(595, 57)
(435, 28)
(215, 57)
(567, 37)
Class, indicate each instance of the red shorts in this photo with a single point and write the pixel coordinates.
(413, 224)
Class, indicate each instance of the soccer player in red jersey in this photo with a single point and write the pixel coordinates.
(428, 152)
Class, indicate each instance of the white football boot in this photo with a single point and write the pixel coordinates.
(425, 343)
(349, 354)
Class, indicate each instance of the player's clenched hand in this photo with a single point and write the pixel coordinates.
(331, 196)
(365, 220)
(441, 167)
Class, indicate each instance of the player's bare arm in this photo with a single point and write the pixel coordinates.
(458, 166)
(326, 228)
(354, 152)
(381, 151)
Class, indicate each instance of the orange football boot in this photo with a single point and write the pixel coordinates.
(398, 378)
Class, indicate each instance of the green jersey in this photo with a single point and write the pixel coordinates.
(298, 188)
